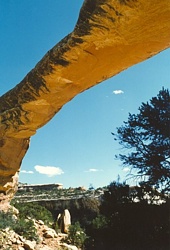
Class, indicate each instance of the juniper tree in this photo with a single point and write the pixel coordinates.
(146, 136)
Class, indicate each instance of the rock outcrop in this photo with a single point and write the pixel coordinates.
(42, 187)
(110, 36)
(64, 221)
(48, 239)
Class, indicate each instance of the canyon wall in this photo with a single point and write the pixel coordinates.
(109, 37)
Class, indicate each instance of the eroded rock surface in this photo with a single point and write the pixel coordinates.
(110, 36)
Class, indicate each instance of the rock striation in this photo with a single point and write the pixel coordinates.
(109, 37)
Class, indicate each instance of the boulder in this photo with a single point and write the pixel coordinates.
(50, 233)
(20, 248)
(69, 247)
(29, 245)
(45, 248)
(40, 222)
(64, 221)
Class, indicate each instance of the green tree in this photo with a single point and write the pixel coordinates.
(146, 136)
(115, 196)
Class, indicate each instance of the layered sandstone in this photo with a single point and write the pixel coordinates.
(110, 36)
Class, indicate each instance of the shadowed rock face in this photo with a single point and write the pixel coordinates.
(110, 36)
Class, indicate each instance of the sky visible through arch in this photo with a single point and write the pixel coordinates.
(76, 147)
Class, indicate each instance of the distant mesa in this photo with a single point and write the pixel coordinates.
(35, 187)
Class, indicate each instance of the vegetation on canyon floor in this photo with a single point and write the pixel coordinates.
(122, 218)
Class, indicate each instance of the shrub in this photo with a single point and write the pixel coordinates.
(100, 222)
(34, 211)
(76, 235)
(6, 220)
(26, 228)
(20, 225)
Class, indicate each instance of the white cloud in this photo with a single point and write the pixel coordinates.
(93, 170)
(26, 172)
(49, 170)
(126, 169)
(118, 92)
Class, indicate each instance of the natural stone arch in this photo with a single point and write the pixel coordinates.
(110, 36)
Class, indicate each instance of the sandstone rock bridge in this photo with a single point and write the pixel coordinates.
(110, 36)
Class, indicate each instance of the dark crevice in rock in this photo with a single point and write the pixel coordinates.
(127, 2)
(116, 11)
(88, 11)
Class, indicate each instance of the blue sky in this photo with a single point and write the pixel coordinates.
(76, 147)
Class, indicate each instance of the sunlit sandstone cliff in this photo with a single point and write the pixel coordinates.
(110, 36)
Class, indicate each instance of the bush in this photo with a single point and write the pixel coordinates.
(76, 235)
(26, 228)
(21, 226)
(34, 211)
(6, 220)
(100, 222)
